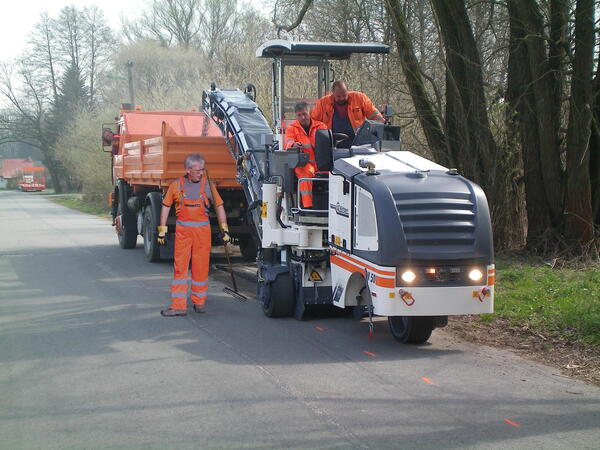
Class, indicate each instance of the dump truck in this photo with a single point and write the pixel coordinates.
(32, 179)
(391, 233)
(148, 149)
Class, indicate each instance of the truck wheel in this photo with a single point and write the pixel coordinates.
(248, 248)
(411, 330)
(128, 235)
(151, 245)
(280, 302)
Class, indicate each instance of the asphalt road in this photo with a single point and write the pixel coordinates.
(88, 362)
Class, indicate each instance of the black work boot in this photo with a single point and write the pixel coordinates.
(170, 312)
(200, 309)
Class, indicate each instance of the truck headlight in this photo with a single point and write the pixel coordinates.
(475, 275)
(408, 276)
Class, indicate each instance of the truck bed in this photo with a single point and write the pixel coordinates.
(158, 161)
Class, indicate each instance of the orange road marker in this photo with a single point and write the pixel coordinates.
(510, 422)
(374, 355)
(319, 328)
(428, 381)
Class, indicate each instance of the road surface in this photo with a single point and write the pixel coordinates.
(88, 362)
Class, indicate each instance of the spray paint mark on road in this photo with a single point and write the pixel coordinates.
(428, 381)
(510, 422)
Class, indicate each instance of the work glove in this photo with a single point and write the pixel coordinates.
(225, 234)
(162, 232)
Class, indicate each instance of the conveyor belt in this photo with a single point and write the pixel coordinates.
(245, 128)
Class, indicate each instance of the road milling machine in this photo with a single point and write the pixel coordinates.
(390, 232)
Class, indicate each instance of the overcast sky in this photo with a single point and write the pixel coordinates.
(19, 17)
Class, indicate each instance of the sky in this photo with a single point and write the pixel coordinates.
(19, 17)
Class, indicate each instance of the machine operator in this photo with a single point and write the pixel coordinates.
(343, 111)
(301, 134)
(192, 195)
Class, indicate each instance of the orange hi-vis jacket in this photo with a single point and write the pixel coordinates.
(192, 241)
(194, 211)
(295, 133)
(360, 108)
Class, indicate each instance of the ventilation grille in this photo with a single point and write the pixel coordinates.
(431, 220)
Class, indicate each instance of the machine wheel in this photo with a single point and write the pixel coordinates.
(151, 245)
(411, 330)
(248, 248)
(281, 297)
(128, 235)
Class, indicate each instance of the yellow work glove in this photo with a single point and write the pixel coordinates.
(225, 234)
(162, 232)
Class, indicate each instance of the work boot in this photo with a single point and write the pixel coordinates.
(200, 309)
(170, 312)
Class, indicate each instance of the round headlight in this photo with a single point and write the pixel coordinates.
(408, 276)
(475, 275)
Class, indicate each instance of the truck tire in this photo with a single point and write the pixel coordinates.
(151, 245)
(411, 330)
(150, 221)
(281, 297)
(128, 235)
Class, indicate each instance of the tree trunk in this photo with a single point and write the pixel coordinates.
(467, 125)
(412, 72)
(578, 208)
(595, 148)
(532, 92)
(54, 169)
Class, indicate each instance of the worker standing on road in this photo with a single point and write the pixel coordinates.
(191, 195)
(343, 111)
(301, 134)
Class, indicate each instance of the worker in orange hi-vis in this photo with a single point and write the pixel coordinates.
(301, 134)
(191, 195)
(343, 111)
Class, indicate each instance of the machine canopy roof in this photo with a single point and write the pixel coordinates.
(322, 50)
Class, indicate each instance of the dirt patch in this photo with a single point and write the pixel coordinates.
(571, 358)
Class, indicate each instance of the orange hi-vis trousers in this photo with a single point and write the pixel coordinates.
(306, 194)
(192, 241)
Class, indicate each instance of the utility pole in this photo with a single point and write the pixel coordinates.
(130, 80)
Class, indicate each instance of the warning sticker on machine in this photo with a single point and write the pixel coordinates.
(315, 276)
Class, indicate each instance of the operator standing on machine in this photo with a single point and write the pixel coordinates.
(343, 111)
(301, 134)
(192, 194)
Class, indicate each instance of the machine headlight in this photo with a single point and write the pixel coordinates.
(408, 276)
(475, 275)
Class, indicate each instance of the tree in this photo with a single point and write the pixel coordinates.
(98, 47)
(168, 22)
(43, 50)
(26, 118)
(426, 114)
(578, 202)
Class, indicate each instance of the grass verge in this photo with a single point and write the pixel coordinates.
(547, 314)
(561, 302)
(77, 203)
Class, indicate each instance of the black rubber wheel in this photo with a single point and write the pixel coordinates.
(248, 248)
(151, 245)
(128, 235)
(281, 297)
(411, 330)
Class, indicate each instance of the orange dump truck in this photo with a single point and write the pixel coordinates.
(148, 150)
(32, 179)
